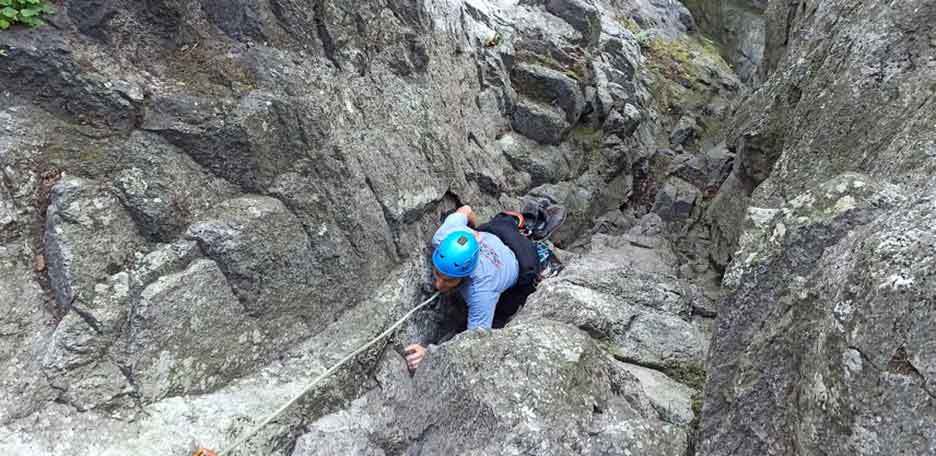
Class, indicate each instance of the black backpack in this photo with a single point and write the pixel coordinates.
(508, 228)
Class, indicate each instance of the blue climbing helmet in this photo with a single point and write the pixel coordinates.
(457, 254)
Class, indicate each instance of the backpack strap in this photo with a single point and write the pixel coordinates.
(507, 227)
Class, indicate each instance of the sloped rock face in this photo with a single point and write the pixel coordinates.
(824, 345)
(537, 386)
(170, 426)
(643, 316)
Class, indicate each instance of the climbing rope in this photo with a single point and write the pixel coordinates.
(328, 372)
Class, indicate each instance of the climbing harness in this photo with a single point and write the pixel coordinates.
(331, 370)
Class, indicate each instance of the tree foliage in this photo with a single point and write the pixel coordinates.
(26, 12)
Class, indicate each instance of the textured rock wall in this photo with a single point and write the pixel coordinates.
(738, 25)
(825, 344)
(204, 203)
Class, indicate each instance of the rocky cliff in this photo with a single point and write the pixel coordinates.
(205, 204)
(825, 343)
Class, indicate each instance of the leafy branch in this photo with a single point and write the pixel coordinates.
(26, 12)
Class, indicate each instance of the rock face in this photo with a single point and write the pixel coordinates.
(88, 236)
(543, 387)
(204, 203)
(603, 359)
(642, 316)
(739, 25)
(825, 344)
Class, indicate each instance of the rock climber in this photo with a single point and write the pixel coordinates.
(495, 266)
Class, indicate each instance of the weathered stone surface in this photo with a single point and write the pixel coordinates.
(778, 129)
(623, 122)
(544, 164)
(540, 122)
(549, 86)
(571, 400)
(821, 333)
(672, 19)
(725, 219)
(831, 292)
(644, 253)
(78, 362)
(707, 170)
(23, 334)
(7, 209)
(164, 260)
(265, 256)
(164, 190)
(343, 432)
(670, 398)
(40, 70)
(676, 200)
(88, 237)
(183, 340)
(642, 316)
(580, 14)
(301, 153)
(172, 425)
(739, 26)
(685, 132)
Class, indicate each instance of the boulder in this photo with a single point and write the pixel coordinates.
(549, 86)
(643, 253)
(265, 256)
(582, 15)
(705, 171)
(163, 189)
(44, 73)
(77, 362)
(623, 122)
(185, 340)
(544, 164)
(685, 132)
(540, 122)
(88, 237)
(725, 216)
(642, 317)
(676, 200)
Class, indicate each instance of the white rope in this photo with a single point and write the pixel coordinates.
(330, 370)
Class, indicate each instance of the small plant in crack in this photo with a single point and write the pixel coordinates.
(493, 40)
(25, 12)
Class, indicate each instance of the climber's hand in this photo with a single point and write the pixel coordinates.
(414, 355)
(469, 214)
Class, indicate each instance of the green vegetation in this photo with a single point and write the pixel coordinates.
(577, 71)
(26, 12)
(629, 23)
(683, 74)
(690, 374)
(586, 137)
